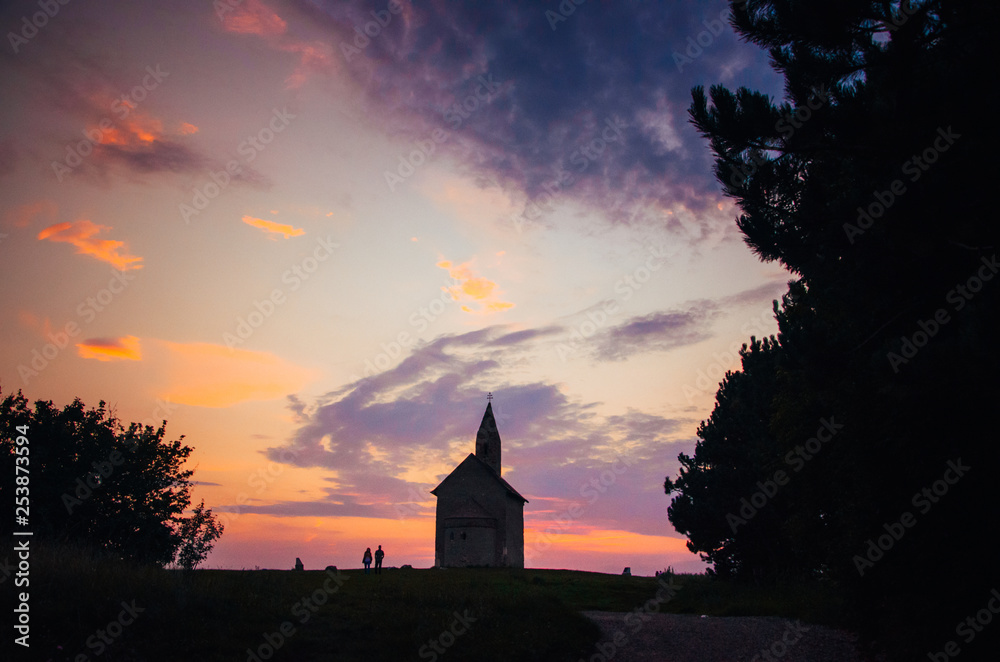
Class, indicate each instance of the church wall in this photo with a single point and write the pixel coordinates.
(514, 538)
(470, 493)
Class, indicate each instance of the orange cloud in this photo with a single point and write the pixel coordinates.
(271, 226)
(133, 129)
(253, 17)
(110, 349)
(81, 234)
(474, 289)
(137, 131)
(22, 215)
(210, 375)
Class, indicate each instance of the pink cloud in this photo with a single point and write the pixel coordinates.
(23, 215)
(253, 17)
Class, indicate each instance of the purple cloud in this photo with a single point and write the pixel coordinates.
(593, 107)
(655, 332)
(371, 432)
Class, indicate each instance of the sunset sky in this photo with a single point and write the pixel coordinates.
(313, 235)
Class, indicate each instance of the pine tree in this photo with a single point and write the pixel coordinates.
(870, 183)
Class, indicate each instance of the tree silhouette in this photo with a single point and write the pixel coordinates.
(95, 482)
(869, 183)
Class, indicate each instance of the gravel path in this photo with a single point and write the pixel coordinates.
(628, 637)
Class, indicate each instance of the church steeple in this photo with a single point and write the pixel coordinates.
(488, 438)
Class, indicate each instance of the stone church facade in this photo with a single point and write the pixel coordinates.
(480, 517)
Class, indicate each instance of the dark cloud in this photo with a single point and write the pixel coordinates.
(107, 125)
(593, 107)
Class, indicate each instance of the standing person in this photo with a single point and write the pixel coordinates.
(367, 559)
(379, 555)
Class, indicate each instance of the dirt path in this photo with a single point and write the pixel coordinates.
(628, 637)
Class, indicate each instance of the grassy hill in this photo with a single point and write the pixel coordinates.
(90, 609)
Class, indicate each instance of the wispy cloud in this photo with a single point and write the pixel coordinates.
(656, 332)
(253, 17)
(82, 235)
(274, 228)
(387, 439)
(126, 348)
(24, 215)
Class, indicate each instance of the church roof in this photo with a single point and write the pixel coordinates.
(472, 461)
(488, 431)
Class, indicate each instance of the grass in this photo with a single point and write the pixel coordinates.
(448, 615)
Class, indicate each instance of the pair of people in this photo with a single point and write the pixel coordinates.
(367, 559)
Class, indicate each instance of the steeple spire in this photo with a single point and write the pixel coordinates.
(488, 438)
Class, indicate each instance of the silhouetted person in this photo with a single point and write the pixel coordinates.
(379, 555)
(367, 559)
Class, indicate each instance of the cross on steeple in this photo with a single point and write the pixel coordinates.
(489, 397)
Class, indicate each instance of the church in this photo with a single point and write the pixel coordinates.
(480, 517)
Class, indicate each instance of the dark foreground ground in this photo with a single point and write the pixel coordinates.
(691, 638)
(88, 609)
